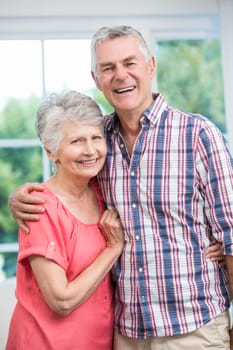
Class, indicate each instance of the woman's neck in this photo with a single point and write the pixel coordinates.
(67, 187)
(79, 198)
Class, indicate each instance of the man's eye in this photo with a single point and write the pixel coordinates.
(131, 63)
(107, 69)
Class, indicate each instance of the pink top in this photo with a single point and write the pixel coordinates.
(73, 245)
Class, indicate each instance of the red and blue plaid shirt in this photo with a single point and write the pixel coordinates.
(173, 194)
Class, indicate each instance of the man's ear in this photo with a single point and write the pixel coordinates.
(96, 80)
(152, 63)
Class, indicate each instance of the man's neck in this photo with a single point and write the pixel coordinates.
(130, 130)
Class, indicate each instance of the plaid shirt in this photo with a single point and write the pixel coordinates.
(173, 194)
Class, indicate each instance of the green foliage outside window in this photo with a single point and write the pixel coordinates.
(98, 96)
(189, 75)
(17, 165)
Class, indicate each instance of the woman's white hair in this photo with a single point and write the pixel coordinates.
(57, 110)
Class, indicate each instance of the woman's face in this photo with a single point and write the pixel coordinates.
(81, 152)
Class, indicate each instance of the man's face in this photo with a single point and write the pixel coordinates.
(123, 75)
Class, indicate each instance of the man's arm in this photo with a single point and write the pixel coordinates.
(229, 264)
(24, 206)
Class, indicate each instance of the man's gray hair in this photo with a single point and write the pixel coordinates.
(109, 33)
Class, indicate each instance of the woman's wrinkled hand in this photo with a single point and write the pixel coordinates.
(112, 230)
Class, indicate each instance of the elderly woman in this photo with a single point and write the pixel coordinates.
(64, 289)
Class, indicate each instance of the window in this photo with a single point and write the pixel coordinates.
(32, 68)
(29, 70)
(185, 77)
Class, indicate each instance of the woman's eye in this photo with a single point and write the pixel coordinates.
(75, 140)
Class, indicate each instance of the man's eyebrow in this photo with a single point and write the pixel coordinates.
(103, 64)
(129, 58)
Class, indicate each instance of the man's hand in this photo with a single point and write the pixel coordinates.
(215, 252)
(25, 206)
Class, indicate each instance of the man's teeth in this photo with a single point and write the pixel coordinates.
(125, 89)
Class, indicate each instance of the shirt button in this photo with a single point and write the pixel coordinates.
(134, 205)
(121, 145)
(137, 237)
(132, 173)
(140, 269)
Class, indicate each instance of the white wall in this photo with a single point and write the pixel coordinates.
(32, 17)
(105, 7)
(7, 303)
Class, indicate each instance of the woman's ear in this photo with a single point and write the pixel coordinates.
(52, 156)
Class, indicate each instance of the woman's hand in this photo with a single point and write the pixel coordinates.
(111, 229)
(62, 295)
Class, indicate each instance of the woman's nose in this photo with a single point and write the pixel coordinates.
(89, 147)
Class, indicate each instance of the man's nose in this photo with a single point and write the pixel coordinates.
(121, 72)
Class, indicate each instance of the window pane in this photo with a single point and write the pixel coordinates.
(20, 155)
(190, 77)
(67, 65)
(8, 265)
(20, 69)
(18, 165)
(20, 86)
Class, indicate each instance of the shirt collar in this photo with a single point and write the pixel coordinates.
(152, 113)
(156, 108)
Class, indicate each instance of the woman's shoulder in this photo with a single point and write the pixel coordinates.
(46, 195)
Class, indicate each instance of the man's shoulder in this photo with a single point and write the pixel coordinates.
(108, 117)
(108, 120)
